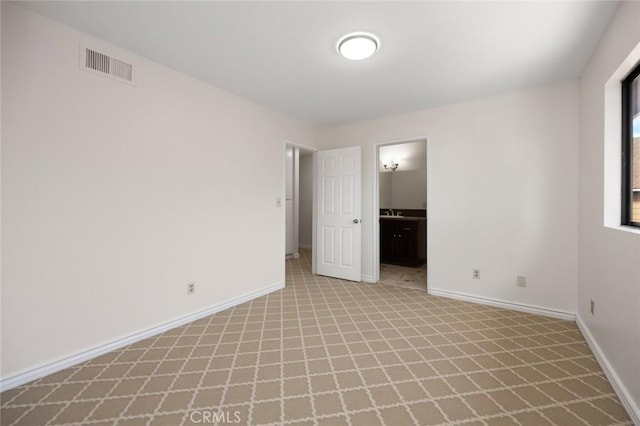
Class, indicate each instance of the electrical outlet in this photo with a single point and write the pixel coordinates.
(476, 274)
(191, 288)
(593, 307)
(521, 281)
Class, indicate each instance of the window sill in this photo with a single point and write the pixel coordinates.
(625, 228)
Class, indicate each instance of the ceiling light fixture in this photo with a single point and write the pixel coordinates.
(357, 46)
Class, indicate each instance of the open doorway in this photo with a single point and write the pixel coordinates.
(298, 201)
(401, 209)
(305, 213)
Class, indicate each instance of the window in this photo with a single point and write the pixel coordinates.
(631, 148)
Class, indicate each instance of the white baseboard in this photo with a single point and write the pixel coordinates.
(503, 304)
(305, 246)
(620, 389)
(35, 373)
(368, 279)
(292, 256)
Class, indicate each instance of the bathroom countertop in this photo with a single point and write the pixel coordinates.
(403, 218)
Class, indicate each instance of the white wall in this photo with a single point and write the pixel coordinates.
(386, 197)
(409, 189)
(503, 175)
(1, 184)
(609, 266)
(115, 197)
(306, 199)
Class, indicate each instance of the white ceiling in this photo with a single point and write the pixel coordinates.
(283, 54)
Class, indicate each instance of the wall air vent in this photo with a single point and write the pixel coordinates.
(94, 61)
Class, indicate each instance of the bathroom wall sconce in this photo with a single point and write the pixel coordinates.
(391, 166)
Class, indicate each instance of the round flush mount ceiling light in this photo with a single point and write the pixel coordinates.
(357, 46)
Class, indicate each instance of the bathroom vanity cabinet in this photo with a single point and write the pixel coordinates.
(403, 240)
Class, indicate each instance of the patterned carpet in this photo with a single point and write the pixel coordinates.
(330, 352)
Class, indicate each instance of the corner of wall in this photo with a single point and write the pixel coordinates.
(619, 387)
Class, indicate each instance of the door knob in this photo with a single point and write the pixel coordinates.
(356, 221)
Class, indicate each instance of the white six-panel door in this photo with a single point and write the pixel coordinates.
(338, 209)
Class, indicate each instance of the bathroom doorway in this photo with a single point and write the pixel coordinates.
(400, 204)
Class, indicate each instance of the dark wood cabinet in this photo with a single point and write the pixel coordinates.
(403, 241)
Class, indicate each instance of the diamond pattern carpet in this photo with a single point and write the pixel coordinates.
(330, 352)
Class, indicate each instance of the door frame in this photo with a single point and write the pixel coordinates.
(376, 200)
(296, 202)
